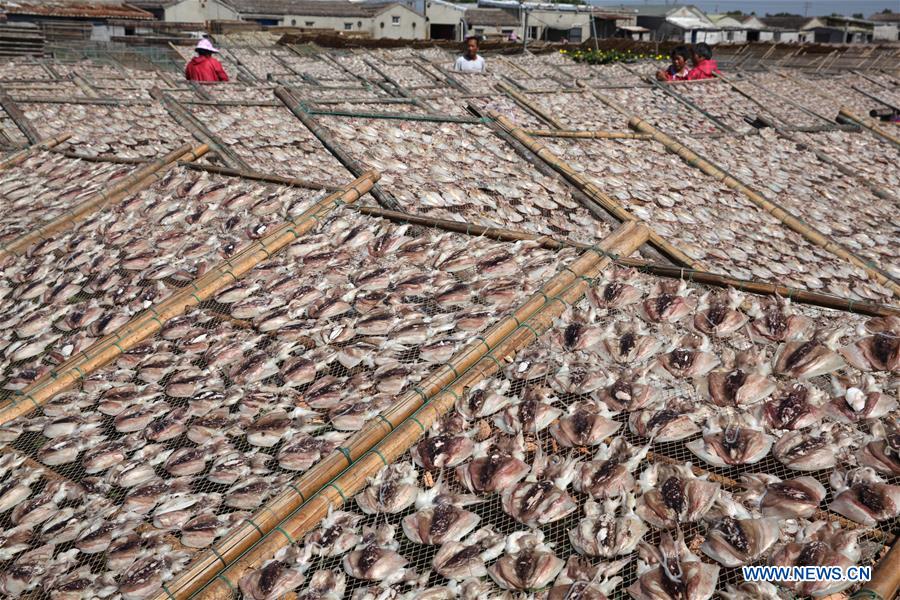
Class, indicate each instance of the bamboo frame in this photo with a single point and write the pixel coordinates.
(184, 118)
(101, 158)
(885, 578)
(257, 176)
(588, 135)
(866, 123)
(811, 234)
(591, 190)
(83, 101)
(567, 286)
(18, 117)
(22, 155)
(384, 198)
(529, 106)
(151, 320)
(434, 117)
(136, 181)
(400, 89)
(702, 277)
(878, 190)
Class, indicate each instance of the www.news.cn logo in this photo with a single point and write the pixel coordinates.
(855, 574)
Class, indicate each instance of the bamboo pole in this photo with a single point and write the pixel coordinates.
(101, 158)
(596, 210)
(183, 117)
(151, 320)
(384, 198)
(22, 155)
(885, 578)
(702, 277)
(400, 89)
(257, 176)
(529, 106)
(138, 180)
(435, 118)
(570, 283)
(878, 99)
(790, 102)
(83, 101)
(22, 122)
(878, 190)
(669, 90)
(589, 135)
(808, 232)
(866, 123)
(591, 190)
(266, 518)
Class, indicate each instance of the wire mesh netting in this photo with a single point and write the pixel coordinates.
(287, 149)
(128, 131)
(757, 246)
(170, 446)
(91, 279)
(504, 493)
(463, 172)
(814, 191)
(110, 488)
(45, 185)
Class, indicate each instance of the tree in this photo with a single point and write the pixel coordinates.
(887, 11)
(858, 16)
(782, 14)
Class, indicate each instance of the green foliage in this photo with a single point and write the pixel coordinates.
(605, 57)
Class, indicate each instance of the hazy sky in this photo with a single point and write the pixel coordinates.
(800, 7)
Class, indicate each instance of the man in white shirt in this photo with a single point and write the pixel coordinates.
(470, 62)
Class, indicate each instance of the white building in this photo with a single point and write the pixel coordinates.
(686, 24)
(734, 31)
(189, 11)
(445, 20)
(887, 26)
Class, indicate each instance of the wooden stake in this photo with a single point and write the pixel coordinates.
(529, 106)
(866, 123)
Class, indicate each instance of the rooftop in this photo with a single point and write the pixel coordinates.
(491, 17)
(75, 9)
(312, 8)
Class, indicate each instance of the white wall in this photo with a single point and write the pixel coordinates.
(441, 14)
(411, 25)
(887, 31)
(561, 20)
(198, 11)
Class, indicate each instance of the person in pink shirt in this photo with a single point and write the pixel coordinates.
(704, 65)
(678, 70)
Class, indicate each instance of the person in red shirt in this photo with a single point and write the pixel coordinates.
(704, 66)
(678, 70)
(204, 67)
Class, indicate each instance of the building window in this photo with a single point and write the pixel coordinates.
(382, 24)
(533, 33)
(310, 23)
(395, 21)
(730, 36)
(293, 21)
(348, 26)
(506, 32)
(479, 31)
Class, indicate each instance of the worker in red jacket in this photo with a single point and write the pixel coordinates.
(704, 65)
(204, 67)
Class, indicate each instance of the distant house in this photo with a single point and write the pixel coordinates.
(493, 22)
(758, 31)
(735, 32)
(887, 26)
(390, 21)
(680, 23)
(76, 19)
(189, 11)
(826, 30)
(576, 23)
(445, 20)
